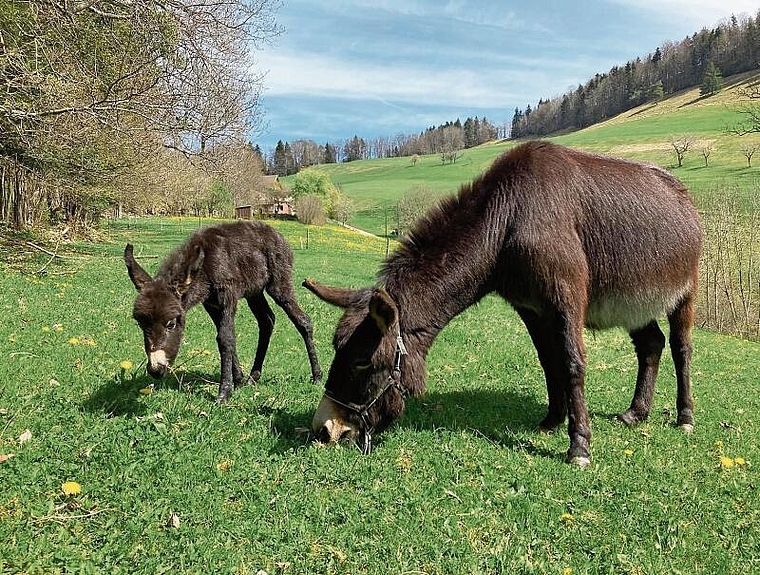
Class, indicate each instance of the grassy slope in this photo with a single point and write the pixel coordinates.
(463, 485)
(643, 133)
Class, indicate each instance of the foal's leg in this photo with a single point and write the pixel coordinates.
(265, 319)
(282, 293)
(223, 316)
(649, 342)
(544, 341)
(681, 321)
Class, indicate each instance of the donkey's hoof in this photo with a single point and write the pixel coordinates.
(316, 379)
(550, 424)
(687, 428)
(630, 418)
(579, 461)
(254, 377)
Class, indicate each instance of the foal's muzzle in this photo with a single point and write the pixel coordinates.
(158, 364)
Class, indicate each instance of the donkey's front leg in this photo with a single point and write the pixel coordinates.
(572, 349)
(223, 316)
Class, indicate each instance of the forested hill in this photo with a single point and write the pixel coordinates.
(730, 48)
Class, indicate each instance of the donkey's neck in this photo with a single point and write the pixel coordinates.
(444, 267)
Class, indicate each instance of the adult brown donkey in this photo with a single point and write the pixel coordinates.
(217, 266)
(569, 239)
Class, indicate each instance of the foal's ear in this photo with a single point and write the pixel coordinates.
(342, 297)
(383, 309)
(138, 275)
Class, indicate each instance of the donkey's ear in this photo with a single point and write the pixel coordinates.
(194, 265)
(138, 275)
(383, 309)
(342, 297)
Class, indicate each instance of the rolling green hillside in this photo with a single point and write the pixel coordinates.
(642, 133)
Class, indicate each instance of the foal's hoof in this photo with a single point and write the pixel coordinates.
(316, 379)
(579, 461)
(687, 428)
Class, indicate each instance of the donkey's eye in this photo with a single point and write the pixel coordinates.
(171, 324)
(360, 366)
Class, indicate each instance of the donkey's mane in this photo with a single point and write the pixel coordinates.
(465, 220)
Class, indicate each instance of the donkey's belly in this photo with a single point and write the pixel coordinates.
(632, 311)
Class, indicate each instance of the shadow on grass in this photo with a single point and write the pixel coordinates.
(498, 416)
(122, 398)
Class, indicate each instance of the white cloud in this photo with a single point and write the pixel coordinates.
(320, 75)
(694, 13)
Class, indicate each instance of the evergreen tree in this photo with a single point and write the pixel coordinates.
(279, 163)
(711, 81)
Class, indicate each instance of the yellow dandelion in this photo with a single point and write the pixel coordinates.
(726, 462)
(74, 340)
(628, 452)
(206, 352)
(45, 329)
(739, 461)
(567, 571)
(71, 488)
(147, 390)
(126, 365)
(567, 517)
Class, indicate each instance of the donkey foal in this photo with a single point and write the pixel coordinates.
(217, 266)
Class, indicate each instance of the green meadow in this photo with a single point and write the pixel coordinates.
(642, 134)
(158, 479)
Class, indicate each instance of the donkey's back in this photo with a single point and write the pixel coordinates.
(626, 233)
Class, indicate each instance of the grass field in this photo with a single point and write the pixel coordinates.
(171, 483)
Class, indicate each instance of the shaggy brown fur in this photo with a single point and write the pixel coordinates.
(217, 266)
(569, 239)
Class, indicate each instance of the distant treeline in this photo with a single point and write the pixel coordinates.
(288, 157)
(733, 46)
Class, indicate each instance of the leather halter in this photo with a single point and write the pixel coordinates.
(394, 380)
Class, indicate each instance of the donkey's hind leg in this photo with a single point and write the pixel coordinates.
(265, 318)
(649, 342)
(284, 296)
(681, 321)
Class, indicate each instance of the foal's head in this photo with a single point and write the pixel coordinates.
(159, 310)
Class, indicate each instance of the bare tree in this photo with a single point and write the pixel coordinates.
(309, 210)
(413, 204)
(91, 88)
(750, 111)
(706, 151)
(681, 145)
(749, 151)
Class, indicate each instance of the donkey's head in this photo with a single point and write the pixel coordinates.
(363, 392)
(160, 311)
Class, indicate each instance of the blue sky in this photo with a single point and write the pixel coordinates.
(383, 67)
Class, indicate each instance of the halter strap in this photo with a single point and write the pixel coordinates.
(394, 380)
